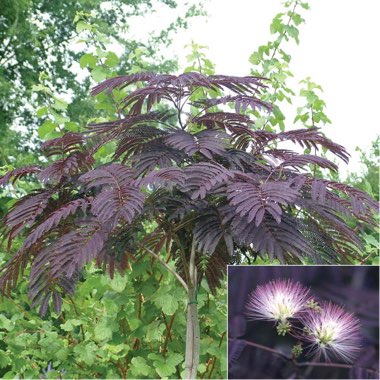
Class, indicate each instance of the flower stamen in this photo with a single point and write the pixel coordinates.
(278, 300)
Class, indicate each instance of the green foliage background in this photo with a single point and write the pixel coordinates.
(112, 329)
(132, 326)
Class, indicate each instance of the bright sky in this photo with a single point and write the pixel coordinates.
(338, 50)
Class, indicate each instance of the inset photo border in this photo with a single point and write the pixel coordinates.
(303, 322)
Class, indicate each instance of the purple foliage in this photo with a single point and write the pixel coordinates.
(207, 175)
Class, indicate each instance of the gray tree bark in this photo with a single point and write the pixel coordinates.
(192, 330)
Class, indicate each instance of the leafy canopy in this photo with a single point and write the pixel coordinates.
(38, 36)
(205, 176)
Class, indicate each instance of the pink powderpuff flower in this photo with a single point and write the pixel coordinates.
(332, 331)
(278, 300)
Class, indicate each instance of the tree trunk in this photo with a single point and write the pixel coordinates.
(192, 336)
(192, 330)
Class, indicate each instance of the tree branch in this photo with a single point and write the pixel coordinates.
(262, 347)
(167, 266)
(302, 364)
(168, 332)
(335, 365)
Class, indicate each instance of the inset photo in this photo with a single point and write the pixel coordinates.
(303, 322)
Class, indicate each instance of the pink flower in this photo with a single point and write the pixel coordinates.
(332, 331)
(278, 300)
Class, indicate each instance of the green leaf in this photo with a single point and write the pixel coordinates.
(103, 330)
(223, 364)
(70, 324)
(24, 340)
(369, 239)
(60, 104)
(260, 121)
(86, 352)
(155, 331)
(62, 354)
(39, 88)
(116, 351)
(166, 302)
(59, 119)
(41, 111)
(89, 60)
(292, 31)
(139, 366)
(112, 59)
(255, 58)
(278, 114)
(134, 323)
(105, 106)
(46, 128)
(98, 74)
(4, 359)
(101, 37)
(82, 25)
(118, 283)
(297, 19)
(166, 367)
(276, 25)
(101, 53)
(72, 127)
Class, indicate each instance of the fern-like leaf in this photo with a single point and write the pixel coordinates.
(108, 175)
(222, 120)
(24, 213)
(208, 143)
(282, 241)
(68, 143)
(242, 102)
(209, 231)
(66, 167)
(159, 155)
(255, 199)
(121, 82)
(14, 175)
(116, 128)
(301, 160)
(166, 177)
(202, 177)
(54, 219)
(119, 197)
(139, 140)
(61, 261)
(148, 96)
(361, 203)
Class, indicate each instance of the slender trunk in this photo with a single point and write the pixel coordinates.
(192, 331)
(192, 337)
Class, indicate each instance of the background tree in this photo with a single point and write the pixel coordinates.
(36, 35)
